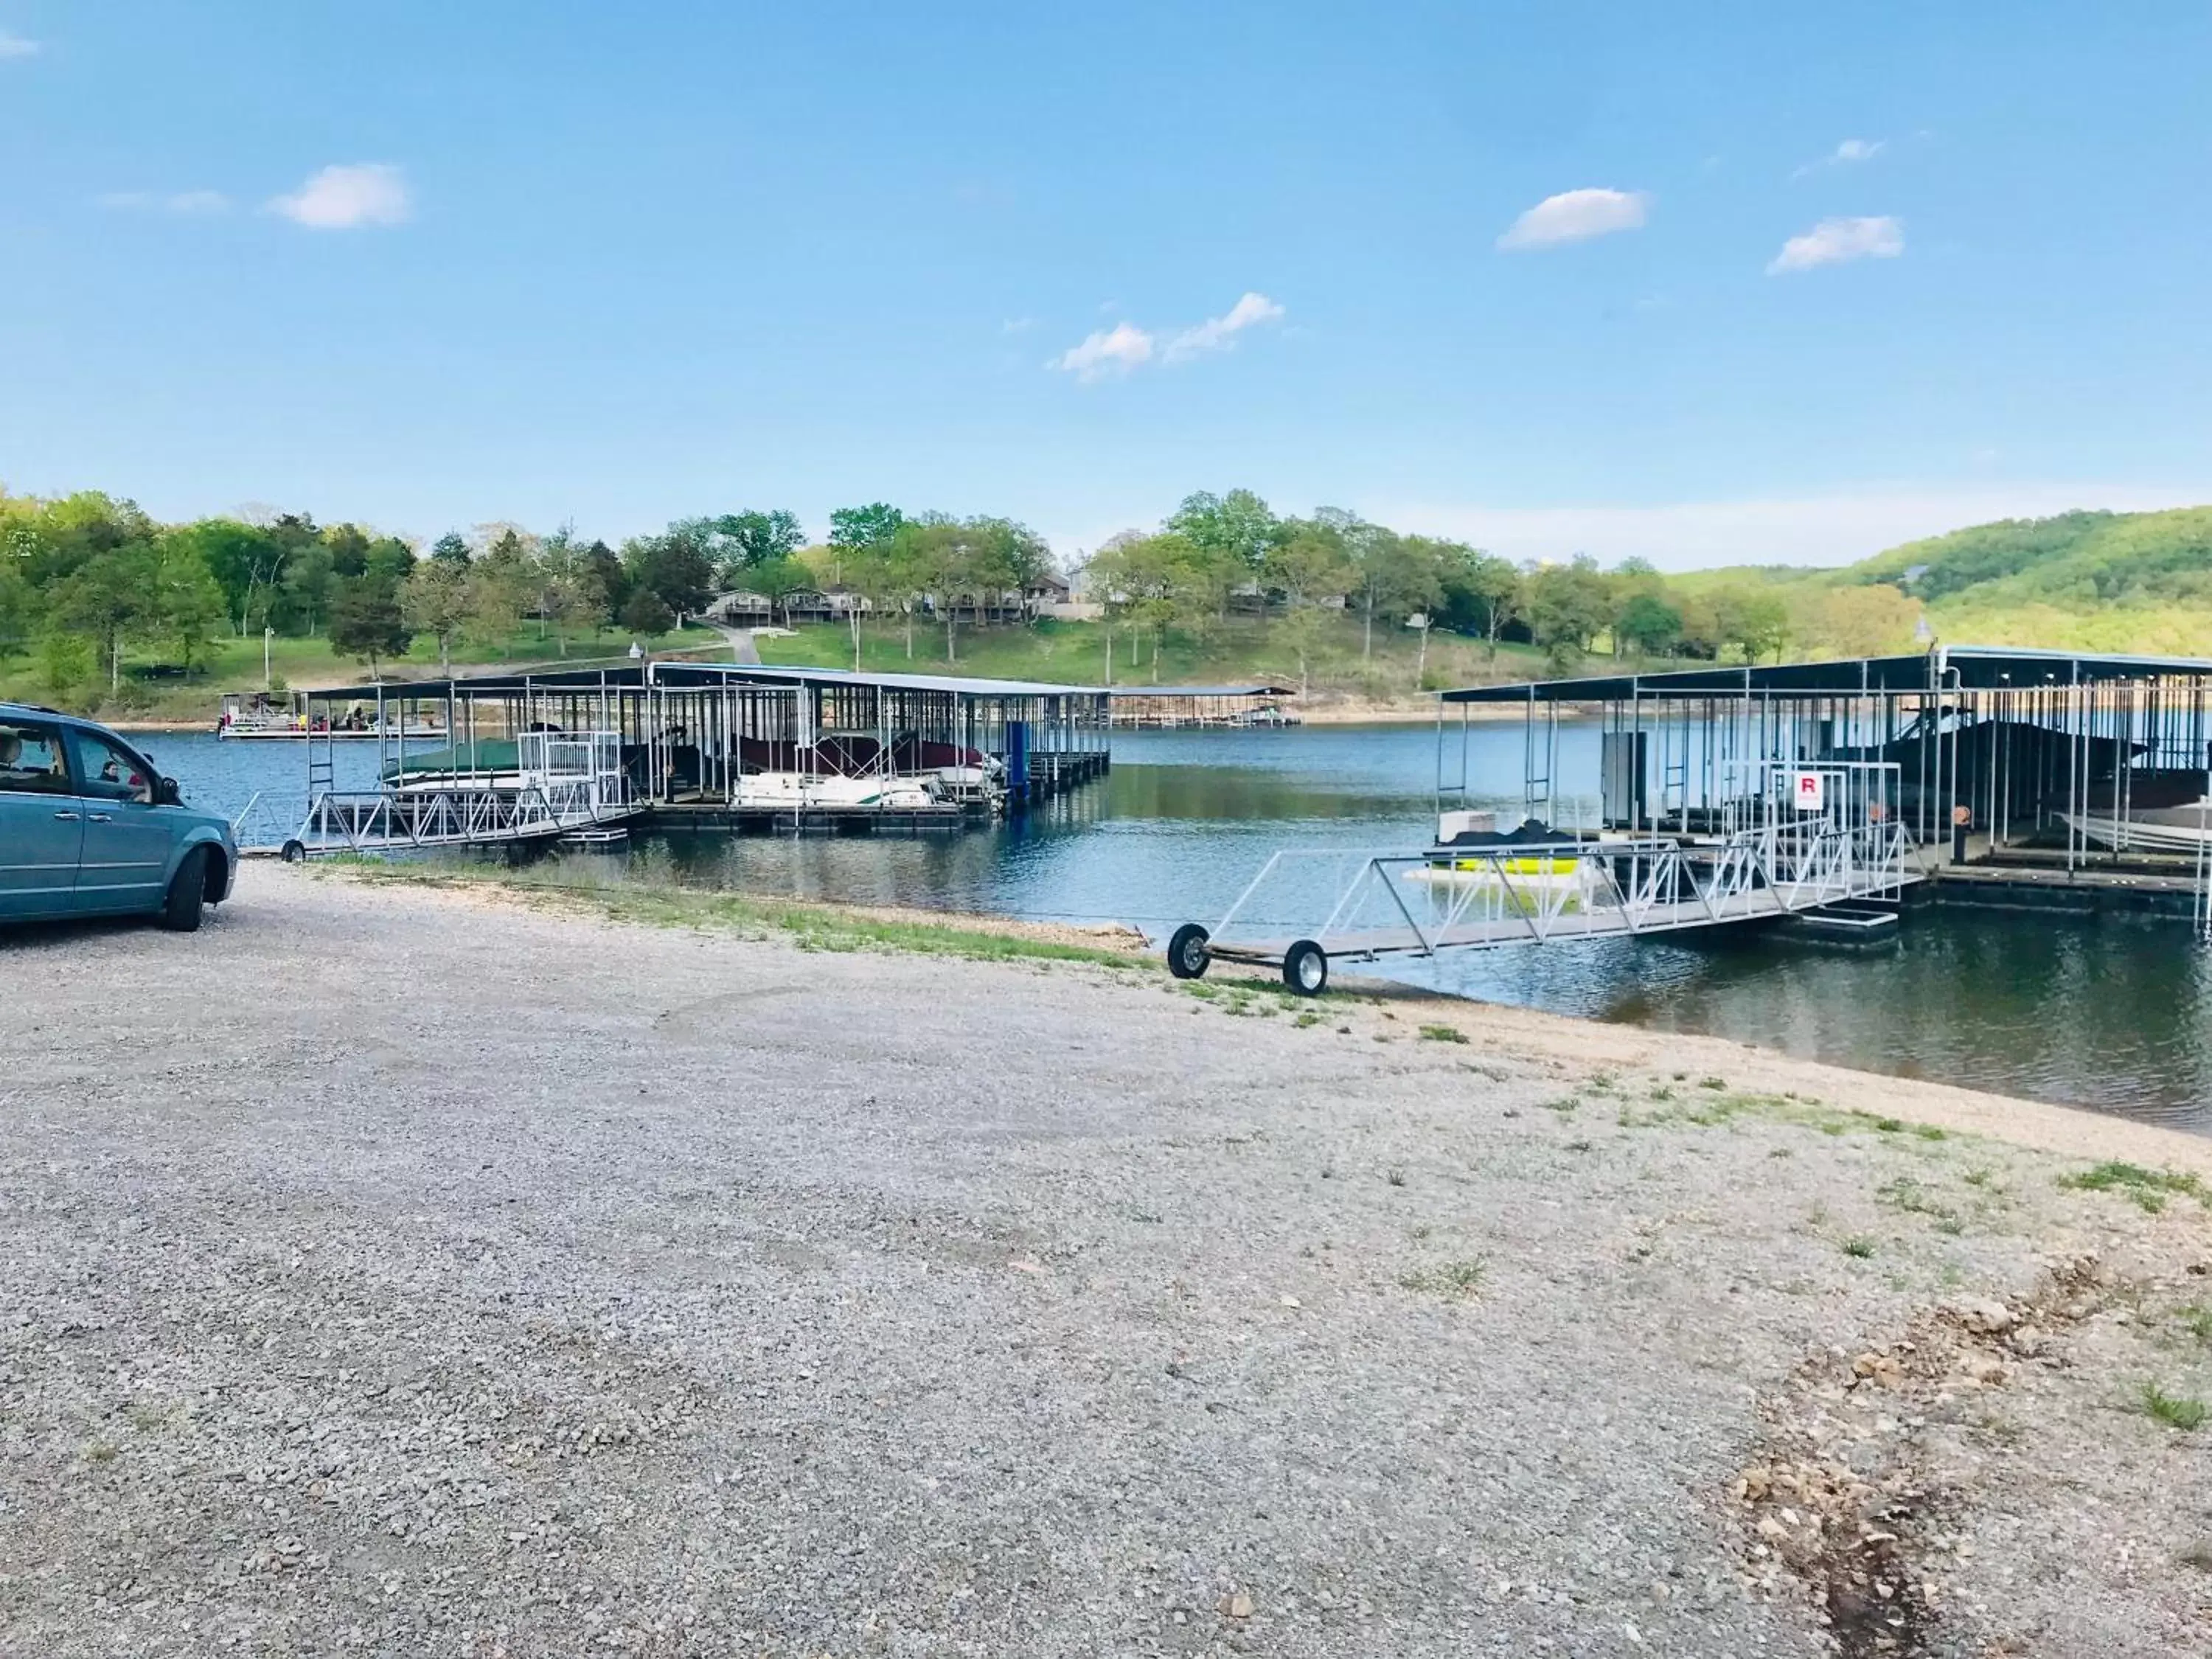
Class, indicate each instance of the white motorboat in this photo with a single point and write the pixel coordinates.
(2184, 829)
(795, 791)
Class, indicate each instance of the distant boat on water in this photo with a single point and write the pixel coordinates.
(256, 717)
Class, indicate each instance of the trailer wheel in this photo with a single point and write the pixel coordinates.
(294, 852)
(1305, 969)
(1186, 953)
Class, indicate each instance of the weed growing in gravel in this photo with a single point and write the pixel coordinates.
(1443, 1034)
(1708, 1110)
(1909, 1196)
(1396, 1176)
(1454, 1279)
(1715, 1082)
(2196, 1320)
(1307, 1018)
(2147, 1188)
(99, 1452)
(2175, 1411)
(1931, 1131)
(1662, 1094)
(1858, 1246)
(2197, 1555)
(1565, 1105)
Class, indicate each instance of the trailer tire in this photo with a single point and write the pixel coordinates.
(1187, 954)
(294, 852)
(1305, 969)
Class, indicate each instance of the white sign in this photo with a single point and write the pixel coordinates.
(1810, 790)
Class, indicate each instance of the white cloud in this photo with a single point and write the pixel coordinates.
(1125, 346)
(1814, 530)
(1115, 351)
(1833, 241)
(181, 201)
(1575, 215)
(15, 45)
(1219, 333)
(347, 197)
(1849, 153)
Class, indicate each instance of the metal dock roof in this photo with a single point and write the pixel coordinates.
(1978, 667)
(623, 673)
(1259, 689)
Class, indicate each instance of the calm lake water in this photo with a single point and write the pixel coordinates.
(2114, 1013)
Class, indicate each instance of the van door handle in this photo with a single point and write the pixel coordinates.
(100, 817)
(66, 817)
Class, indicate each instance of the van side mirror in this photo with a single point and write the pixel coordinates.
(169, 793)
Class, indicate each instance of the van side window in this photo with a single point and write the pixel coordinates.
(31, 761)
(110, 773)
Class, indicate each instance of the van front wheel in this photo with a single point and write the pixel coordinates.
(187, 895)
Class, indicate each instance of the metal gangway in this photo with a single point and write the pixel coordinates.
(565, 784)
(1832, 847)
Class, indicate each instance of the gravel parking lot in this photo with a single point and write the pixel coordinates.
(409, 1272)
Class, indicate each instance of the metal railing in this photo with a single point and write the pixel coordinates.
(1535, 893)
(369, 821)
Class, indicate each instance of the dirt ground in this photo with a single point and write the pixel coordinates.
(404, 1272)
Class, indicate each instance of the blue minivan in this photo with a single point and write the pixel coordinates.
(88, 828)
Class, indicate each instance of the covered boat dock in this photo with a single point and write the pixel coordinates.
(2070, 779)
(1259, 703)
(706, 745)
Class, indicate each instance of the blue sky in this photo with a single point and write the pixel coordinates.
(426, 265)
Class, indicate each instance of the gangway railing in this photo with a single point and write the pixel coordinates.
(376, 821)
(1307, 906)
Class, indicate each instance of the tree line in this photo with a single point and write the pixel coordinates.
(1218, 556)
(87, 580)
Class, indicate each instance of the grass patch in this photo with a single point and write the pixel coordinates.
(2147, 1188)
(1909, 1196)
(2175, 1411)
(1443, 1034)
(1859, 1248)
(662, 903)
(1456, 1280)
(1307, 1018)
(2196, 1320)
(1712, 1110)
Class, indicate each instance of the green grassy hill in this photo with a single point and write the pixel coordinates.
(2136, 581)
(234, 665)
(2092, 581)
